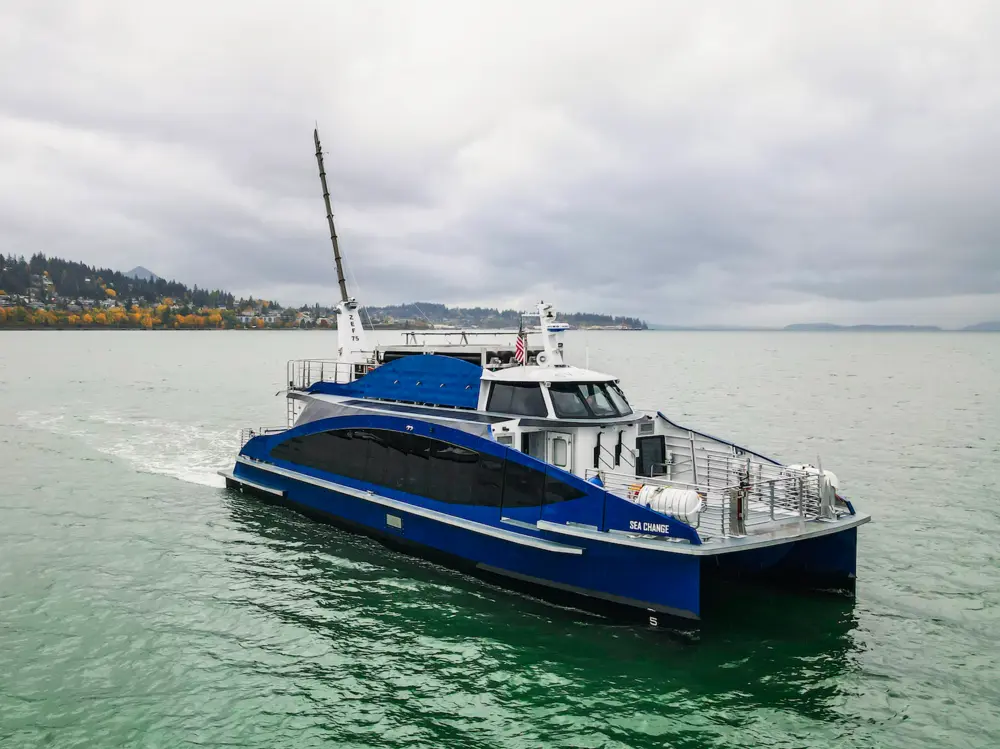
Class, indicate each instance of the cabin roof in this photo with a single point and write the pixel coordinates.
(534, 373)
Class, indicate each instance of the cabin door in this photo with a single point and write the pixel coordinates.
(652, 457)
(559, 450)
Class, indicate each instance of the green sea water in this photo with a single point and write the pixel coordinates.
(141, 604)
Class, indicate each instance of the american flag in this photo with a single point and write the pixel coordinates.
(521, 347)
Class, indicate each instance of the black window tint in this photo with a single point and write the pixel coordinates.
(619, 399)
(597, 400)
(394, 472)
(557, 490)
(405, 462)
(567, 401)
(488, 486)
(579, 400)
(523, 399)
(522, 486)
(349, 454)
(376, 450)
(416, 462)
(452, 471)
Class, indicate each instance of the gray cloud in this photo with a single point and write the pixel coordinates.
(750, 162)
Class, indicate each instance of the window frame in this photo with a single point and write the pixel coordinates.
(606, 388)
(491, 405)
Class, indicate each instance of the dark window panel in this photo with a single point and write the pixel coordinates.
(559, 491)
(487, 488)
(523, 399)
(405, 462)
(522, 486)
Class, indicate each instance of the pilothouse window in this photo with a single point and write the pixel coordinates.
(582, 400)
(618, 398)
(522, 399)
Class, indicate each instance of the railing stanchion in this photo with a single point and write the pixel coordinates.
(694, 462)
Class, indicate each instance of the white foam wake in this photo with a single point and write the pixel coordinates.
(188, 452)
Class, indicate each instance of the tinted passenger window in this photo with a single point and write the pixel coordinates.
(522, 486)
(376, 451)
(523, 399)
(452, 474)
(352, 454)
(557, 490)
(397, 460)
(488, 487)
(407, 462)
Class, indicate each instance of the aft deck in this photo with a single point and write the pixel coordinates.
(741, 497)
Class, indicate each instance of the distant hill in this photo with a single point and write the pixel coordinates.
(56, 281)
(826, 326)
(993, 325)
(141, 274)
(73, 280)
(709, 328)
(490, 317)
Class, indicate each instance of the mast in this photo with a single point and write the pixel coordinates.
(329, 218)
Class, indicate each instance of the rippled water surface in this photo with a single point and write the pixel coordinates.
(141, 604)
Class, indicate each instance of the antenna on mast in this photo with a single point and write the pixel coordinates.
(329, 218)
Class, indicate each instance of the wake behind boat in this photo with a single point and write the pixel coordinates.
(490, 454)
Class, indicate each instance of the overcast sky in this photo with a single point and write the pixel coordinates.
(750, 162)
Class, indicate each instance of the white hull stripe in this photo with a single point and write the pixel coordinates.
(788, 534)
(252, 484)
(441, 517)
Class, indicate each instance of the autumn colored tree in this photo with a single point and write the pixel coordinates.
(88, 319)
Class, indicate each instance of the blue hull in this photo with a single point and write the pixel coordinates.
(605, 576)
(651, 587)
(823, 563)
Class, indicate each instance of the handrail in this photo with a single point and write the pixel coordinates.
(412, 336)
(249, 433)
(734, 509)
(302, 374)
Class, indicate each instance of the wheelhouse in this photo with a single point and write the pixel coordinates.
(563, 393)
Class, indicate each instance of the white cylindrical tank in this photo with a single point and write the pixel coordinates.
(809, 468)
(683, 504)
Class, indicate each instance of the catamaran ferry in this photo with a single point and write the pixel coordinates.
(490, 454)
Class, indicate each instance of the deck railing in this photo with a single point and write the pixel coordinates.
(761, 496)
(304, 373)
(248, 434)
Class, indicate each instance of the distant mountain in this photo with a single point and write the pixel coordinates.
(829, 327)
(141, 274)
(993, 325)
